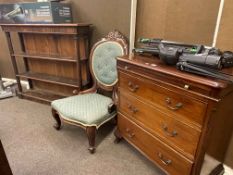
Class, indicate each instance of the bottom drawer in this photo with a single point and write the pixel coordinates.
(166, 158)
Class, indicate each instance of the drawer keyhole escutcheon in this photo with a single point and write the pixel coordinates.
(171, 134)
(163, 160)
(132, 87)
(130, 135)
(174, 108)
(132, 109)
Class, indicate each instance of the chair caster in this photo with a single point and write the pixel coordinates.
(91, 150)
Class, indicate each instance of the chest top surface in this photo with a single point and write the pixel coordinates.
(156, 65)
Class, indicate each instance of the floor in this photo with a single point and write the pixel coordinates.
(33, 147)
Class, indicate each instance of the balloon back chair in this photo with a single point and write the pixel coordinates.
(92, 108)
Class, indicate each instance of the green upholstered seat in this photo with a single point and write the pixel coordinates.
(88, 109)
(104, 62)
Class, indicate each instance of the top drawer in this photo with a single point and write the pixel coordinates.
(194, 88)
(167, 100)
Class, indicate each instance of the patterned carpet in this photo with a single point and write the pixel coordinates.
(33, 147)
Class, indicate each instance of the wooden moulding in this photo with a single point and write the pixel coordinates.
(47, 28)
(46, 57)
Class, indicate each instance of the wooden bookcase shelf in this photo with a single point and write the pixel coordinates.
(46, 57)
(41, 95)
(49, 79)
(55, 57)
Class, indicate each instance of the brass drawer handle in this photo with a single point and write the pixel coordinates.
(186, 86)
(171, 134)
(132, 109)
(174, 108)
(165, 162)
(131, 135)
(132, 87)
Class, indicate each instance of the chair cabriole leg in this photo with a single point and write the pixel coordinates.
(91, 132)
(57, 125)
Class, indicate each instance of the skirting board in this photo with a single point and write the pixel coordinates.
(23, 83)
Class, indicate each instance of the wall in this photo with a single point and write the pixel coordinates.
(105, 15)
(184, 21)
(225, 36)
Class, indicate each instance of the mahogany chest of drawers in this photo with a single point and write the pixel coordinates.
(176, 119)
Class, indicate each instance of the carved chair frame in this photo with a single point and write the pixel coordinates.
(114, 36)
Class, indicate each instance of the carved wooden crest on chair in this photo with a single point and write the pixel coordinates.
(90, 109)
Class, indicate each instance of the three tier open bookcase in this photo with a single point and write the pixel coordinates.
(55, 58)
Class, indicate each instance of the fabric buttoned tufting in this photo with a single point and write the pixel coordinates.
(104, 62)
(89, 109)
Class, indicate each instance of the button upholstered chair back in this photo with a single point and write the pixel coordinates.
(103, 59)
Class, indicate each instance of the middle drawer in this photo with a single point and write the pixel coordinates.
(173, 132)
(168, 100)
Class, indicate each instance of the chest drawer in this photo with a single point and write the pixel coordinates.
(165, 157)
(175, 133)
(167, 100)
(181, 83)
